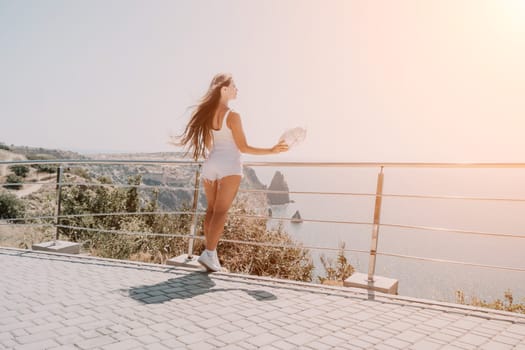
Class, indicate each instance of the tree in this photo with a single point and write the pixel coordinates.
(13, 182)
(10, 206)
(46, 167)
(19, 170)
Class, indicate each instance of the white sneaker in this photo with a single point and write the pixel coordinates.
(209, 261)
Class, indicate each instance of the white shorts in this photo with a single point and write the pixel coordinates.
(218, 166)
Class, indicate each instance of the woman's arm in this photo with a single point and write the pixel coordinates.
(235, 124)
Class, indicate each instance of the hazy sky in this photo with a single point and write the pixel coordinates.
(405, 80)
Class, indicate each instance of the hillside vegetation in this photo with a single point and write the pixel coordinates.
(122, 211)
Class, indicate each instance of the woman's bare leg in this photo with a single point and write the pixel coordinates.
(227, 188)
(210, 189)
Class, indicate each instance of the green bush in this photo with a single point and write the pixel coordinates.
(13, 182)
(81, 172)
(10, 206)
(44, 168)
(4, 146)
(83, 199)
(19, 170)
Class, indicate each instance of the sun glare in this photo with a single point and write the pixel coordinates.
(514, 13)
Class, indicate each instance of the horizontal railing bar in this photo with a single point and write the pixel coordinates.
(201, 213)
(124, 232)
(31, 183)
(291, 246)
(304, 219)
(453, 197)
(442, 229)
(25, 224)
(308, 192)
(387, 164)
(386, 195)
(124, 185)
(287, 246)
(98, 161)
(287, 164)
(137, 213)
(453, 262)
(168, 187)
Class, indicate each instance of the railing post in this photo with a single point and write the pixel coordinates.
(375, 229)
(196, 193)
(59, 201)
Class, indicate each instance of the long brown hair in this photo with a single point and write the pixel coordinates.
(198, 131)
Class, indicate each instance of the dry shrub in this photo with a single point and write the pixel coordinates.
(146, 248)
(287, 263)
(338, 271)
(505, 305)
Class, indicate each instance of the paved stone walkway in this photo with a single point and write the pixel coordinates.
(50, 301)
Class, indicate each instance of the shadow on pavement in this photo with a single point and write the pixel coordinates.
(187, 286)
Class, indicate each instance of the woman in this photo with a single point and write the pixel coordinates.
(215, 133)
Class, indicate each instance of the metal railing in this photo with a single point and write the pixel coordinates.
(375, 224)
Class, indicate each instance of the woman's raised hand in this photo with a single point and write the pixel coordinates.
(280, 147)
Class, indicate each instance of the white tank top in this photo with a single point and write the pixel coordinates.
(223, 141)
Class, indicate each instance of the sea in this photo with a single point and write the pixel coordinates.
(492, 202)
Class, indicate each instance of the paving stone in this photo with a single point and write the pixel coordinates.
(396, 343)
(234, 336)
(263, 339)
(95, 342)
(173, 343)
(40, 345)
(157, 346)
(473, 339)
(201, 346)
(17, 333)
(464, 324)
(148, 339)
(492, 345)
(8, 344)
(410, 336)
(399, 326)
(163, 335)
(331, 340)
(452, 347)
(233, 347)
(383, 347)
(284, 345)
(193, 338)
(425, 345)
(380, 334)
(506, 340)
(32, 338)
(123, 345)
(17, 325)
(318, 346)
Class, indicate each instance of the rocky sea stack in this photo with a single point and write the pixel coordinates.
(278, 184)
